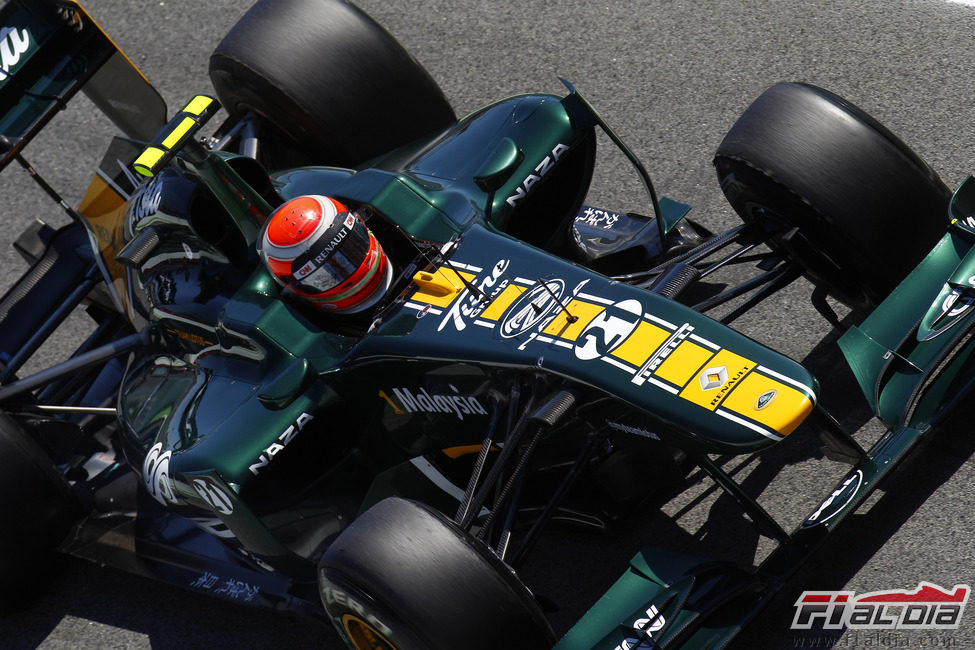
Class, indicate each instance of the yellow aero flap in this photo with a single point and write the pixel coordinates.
(440, 287)
(100, 198)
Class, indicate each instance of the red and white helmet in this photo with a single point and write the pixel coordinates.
(319, 251)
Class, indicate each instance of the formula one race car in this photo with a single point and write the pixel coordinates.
(530, 360)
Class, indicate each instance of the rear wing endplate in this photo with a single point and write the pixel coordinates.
(50, 49)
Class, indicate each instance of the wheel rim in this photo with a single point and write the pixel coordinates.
(363, 635)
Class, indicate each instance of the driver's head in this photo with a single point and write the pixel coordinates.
(324, 254)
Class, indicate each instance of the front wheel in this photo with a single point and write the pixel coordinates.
(335, 85)
(404, 577)
(833, 190)
(37, 509)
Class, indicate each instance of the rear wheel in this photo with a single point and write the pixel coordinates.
(332, 82)
(403, 576)
(37, 509)
(833, 189)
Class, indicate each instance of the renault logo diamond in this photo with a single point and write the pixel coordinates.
(714, 377)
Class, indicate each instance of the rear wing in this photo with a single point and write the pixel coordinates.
(51, 49)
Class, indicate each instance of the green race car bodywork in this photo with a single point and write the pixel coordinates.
(260, 428)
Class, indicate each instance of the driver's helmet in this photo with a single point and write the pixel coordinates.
(321, 252)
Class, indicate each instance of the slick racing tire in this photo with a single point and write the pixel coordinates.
(404, 577)
(37, 510)
(834, 191)
(329, 78)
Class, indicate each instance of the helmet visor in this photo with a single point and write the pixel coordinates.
(332, 260)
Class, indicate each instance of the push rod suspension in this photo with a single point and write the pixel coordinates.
(85, 360)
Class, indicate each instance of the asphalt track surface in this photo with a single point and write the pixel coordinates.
(671, 77)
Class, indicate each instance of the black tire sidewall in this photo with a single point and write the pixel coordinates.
(327, 76)
(867, 204)
(37, 506)
(345, 599)
(412, 574)
(830, 260)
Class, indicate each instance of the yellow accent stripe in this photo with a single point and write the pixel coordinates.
(146, 163)
(198, 104)
(730, 381)
(463, 450)
(501, 303)
(396, 409)
(583, 311)
(77, 7)
(178, 133)
(723, 372)
(683, 363)
(642, 343)
(783, 412)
